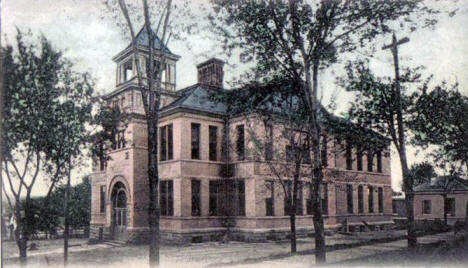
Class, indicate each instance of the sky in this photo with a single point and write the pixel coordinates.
(90, 38)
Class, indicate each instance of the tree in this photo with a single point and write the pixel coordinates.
(46, 214)
(173, 20)
(384, 104)
(298, 39)
(275, 127)
(74, 116)
(149, 84)
(441, 122)
(41, 85)
(43, 219)
(422, 173)
(80, 205)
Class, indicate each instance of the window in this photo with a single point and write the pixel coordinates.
(102, 157)
(196, 200)
(137, 99)
(359, 158)
(426, 206)
(303, 152)
(169, 142)
(299, 197)
(102, 163)
(233, 191)
(323, 152)
(289, 153)
(349, 195)
(240, 198)
(166, 143)
(215, 198)
(324, 197)
(195, 141)
(213, 143)
(380, 200)
(306, 155)
(240, 146)
(309, 204)
(287, 198)
(269, 143)
(450, 206)
(118, 140)
(349, 157)
(122, 102)
(270, 198)
(127, 71)
(379, 161)
(103, 199)
(166, 189)
(370, 160)
(370, 199)
(360, 199)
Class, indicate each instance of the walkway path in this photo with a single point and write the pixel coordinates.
(235, 254)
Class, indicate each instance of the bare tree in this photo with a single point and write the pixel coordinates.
(298, 39)
(149, 84)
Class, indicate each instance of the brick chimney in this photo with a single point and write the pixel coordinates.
(211, 72)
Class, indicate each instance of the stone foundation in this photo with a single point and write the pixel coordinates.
(98, 233)
(235, 234)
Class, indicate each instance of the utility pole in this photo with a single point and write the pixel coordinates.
(407, 179)
(394, 49)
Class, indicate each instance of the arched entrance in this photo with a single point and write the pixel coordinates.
(119, 212)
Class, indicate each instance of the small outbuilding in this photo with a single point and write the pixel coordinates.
(443, 198)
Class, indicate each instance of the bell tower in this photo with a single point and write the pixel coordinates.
(128, 60)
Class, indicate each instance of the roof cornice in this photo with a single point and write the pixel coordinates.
(124, 53)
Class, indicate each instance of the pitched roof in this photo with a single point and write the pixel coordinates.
(443, 184)
(198, 97)
(142, 39)
(213, 100)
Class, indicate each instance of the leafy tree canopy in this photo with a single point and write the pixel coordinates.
(422, 173)
(442, 121)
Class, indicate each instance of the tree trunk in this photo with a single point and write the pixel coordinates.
(409, 200)
(319, 227)
(23, 249)
(292, 220)
(20, 235)
(320, 253)
(154, 210)
(67, 227)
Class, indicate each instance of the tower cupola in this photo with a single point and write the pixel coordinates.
(127, 61)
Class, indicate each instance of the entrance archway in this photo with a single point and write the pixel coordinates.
(119, 212)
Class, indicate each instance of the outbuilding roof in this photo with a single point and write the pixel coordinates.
(443, 184)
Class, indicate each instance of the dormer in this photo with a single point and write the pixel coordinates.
(127, 60)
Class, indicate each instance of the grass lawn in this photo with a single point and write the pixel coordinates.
(270, 254)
